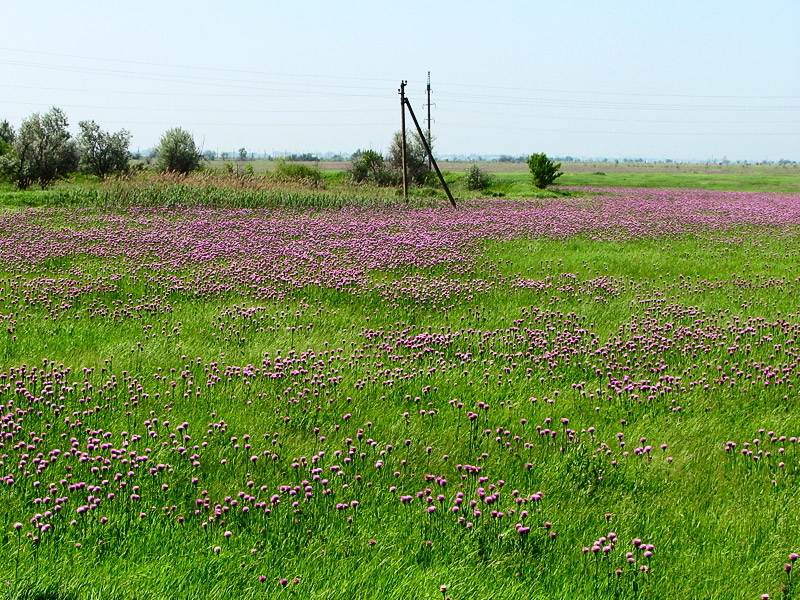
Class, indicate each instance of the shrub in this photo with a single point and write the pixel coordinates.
(290, 171)
(476, 179)
(543, 170)
(370, 167)
(177, 152)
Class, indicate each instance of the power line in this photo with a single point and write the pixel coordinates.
(96, 70)
(651, 133)
(181, 79)
(622, 106)
(211, 110)
(139, 92)
(174, 66)
(516, 115)
(382, 80)
(597, 93)
(251, 125)
(485, 99)
(362, 110)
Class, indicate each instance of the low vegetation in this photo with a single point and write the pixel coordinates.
(517, 399)
(476, 179)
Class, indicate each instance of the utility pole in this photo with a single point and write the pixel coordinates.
(402, 92)
(430, 154)
(430, 145)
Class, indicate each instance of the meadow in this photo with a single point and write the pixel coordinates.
(512, 179)
(272, 393)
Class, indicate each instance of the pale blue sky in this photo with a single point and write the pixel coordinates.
(679, 79)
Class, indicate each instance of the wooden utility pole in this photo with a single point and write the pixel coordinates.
(402, 92)
(430, 144)
(430, 154)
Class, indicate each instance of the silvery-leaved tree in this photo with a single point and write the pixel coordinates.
(43, 151)
(416, 158)
(103, 153)
(177, 152)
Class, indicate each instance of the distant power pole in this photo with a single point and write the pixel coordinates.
(430, 144)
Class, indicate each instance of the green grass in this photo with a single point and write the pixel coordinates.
(722, 525)
(507, 179)
(518, 184)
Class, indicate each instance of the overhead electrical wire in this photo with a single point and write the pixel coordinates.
(583, 104)
(383, 79)
(387, 110)
(317, 86)
(185, 80)
(485, 99)
(650, 133)
(211, 110)
(220, 69)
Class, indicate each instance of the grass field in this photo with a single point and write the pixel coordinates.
(513, 179)
(312, 394)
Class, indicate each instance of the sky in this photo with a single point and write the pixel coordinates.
(680, 80)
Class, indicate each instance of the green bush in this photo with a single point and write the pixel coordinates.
(476, 179)
(370, 167)
(290, 171)
(543, 170)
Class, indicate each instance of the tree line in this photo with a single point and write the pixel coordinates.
(42, 150)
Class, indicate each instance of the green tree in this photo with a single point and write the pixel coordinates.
(43, 151)
(476, 179)
(543, 170)
(369, 166)
(243, 154)
(177, 151)
(416, 160)
(7, 134)
(103, 153)
(6, 137)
